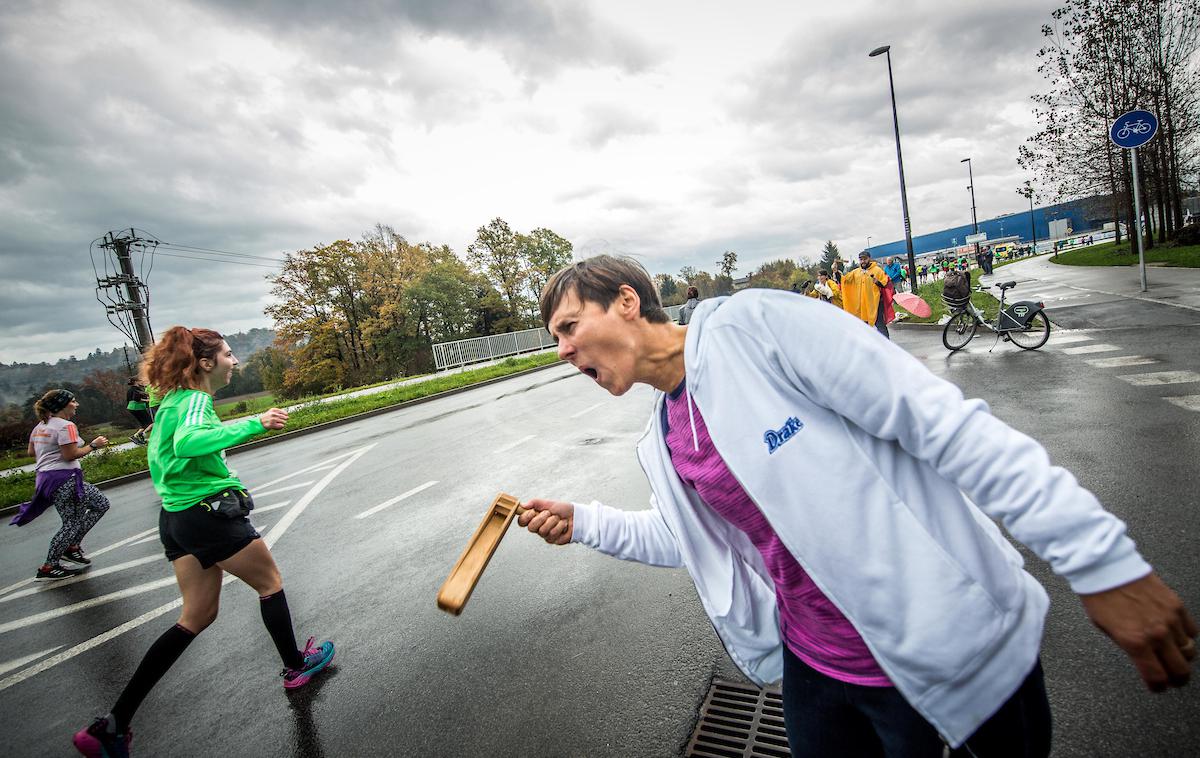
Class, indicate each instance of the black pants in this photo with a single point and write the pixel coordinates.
(825, 717)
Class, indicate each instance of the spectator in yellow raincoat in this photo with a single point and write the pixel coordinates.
(826, 289)
(861, 292)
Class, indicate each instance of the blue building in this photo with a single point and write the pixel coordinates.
(1079, 214)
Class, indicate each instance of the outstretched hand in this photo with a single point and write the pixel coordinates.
(273, 418)
(1148, 621)
(552, 520)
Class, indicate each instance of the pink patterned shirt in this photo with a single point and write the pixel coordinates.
(813, 628)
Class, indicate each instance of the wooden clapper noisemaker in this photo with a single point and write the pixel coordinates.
(456, 590)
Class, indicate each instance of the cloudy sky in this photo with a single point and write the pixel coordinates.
(668, 130)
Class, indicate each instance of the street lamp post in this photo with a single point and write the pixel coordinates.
(974, 220)
(912, 263)
(868, 244)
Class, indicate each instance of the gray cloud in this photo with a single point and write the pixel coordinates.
(536, 38)
(605, 122)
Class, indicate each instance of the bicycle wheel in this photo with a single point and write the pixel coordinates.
(960, 330)
(1034, 335)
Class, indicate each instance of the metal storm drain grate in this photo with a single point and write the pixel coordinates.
(740, 721)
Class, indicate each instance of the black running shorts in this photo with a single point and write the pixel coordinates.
(143, 416)
(209, 537)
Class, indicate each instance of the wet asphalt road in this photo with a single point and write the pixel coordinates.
(560, 651)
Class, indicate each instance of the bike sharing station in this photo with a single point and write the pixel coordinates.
(1130, 131)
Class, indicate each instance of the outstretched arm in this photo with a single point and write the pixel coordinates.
(640, 536)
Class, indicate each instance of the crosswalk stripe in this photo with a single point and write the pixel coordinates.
(1085, 349)
(1118, 361)
(1187, 402)
(1161, 377)
(1066, 339)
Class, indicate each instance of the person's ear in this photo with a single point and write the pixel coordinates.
(629, 303)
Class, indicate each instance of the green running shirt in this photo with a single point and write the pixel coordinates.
(186, 453)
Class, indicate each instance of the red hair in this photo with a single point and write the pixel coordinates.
(174, 361)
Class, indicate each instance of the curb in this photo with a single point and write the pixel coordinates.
(917, 326)
(145, 474)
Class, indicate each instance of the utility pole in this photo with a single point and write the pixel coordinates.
(124, 295)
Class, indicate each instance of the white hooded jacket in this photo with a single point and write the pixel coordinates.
(879, 477)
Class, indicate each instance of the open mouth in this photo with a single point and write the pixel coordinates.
(590, 372)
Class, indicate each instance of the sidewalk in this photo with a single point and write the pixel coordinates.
(343, 396)
(1166, 285)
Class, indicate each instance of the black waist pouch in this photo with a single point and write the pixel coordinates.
(228, 504)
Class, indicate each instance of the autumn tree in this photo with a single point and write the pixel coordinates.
(498, 254)
(545, 253)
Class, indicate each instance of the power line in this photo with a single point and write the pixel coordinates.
(193, 248)
(217, 260)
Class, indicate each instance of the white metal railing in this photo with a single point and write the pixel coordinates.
(476, 349)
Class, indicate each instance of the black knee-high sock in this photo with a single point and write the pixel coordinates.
(158, 659)
(278, 620)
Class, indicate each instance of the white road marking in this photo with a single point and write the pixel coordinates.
(277, 490)
(17, 663)
(272, 507)
(1187, 402)
(92, 553)
(270, 539)
(1085, 349)
(1066, 339)
(1120, 360)
(144, 540)
(396, 499)
(83, 605)
(1161, 377)
(16, 585)
(282, 525)
(327, 463)
(587, 410)
(511, 445)
(123, 542)
(90, 574)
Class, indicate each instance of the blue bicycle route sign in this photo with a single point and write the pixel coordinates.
(1133, 129)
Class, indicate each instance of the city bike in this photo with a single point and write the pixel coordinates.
(1023, 323)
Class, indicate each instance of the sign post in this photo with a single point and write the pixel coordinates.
(1130, 131)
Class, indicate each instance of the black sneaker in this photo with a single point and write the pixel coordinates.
(138, 438)
(75, 555)
(53, 573)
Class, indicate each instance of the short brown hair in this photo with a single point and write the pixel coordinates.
(599, 280)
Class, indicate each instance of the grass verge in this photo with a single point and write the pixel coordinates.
(109, 464)
(1121, 255)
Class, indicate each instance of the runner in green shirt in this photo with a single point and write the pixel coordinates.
(203, 524)
(137, 402)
